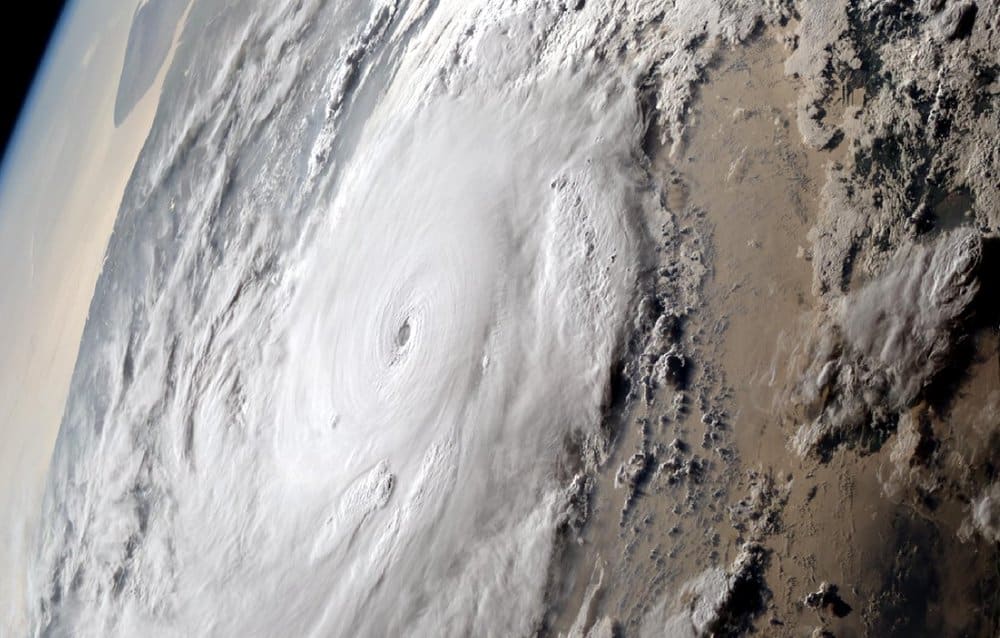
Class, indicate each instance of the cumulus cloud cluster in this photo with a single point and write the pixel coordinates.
(881, 346)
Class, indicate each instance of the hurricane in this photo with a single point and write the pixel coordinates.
(347, 322)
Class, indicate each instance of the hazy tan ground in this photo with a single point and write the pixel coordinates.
(748, 182)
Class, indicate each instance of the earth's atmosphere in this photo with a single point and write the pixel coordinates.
(588, 318)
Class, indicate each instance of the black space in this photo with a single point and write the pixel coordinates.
(24, 43)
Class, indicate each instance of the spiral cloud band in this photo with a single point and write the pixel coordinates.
(344, 331)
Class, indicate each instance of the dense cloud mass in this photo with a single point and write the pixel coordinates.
(366, 279)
